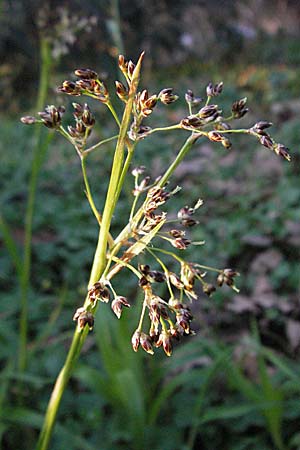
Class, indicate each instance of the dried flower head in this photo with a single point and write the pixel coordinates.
(117, 305)
(52, 116)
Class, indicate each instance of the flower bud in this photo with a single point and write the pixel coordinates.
(191, 99)
(167, 343)
(238, 108)
(175, 280)
(226, 142)
(138, 170)
(99, 292)
(70, 88)
(84, 318)
(214, 136)
(208, 111)
(146, 343)
(86, 74)
(267, 141)
(135, 340)
(180, 243)
(166, 96)
(121, 90)
(117, 305)
(87, 117)
(28, 120)
(283, 151)
(208, 289)
(130, 69)
(214, 90)
(192, 121)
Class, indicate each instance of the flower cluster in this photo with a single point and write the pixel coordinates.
(168, 315)
(170, 320)
(87, 84)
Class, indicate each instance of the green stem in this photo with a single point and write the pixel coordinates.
(57, 393)
(130, 153)
(94, 147)
(112, 110)
(96, 271)
(125, 233)
(90, 197)
(166, 252)
(139, 328)
(38, 157)
(182, 153)
(114, 187)
(88, 190)
(169, 128)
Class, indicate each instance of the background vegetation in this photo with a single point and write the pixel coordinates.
(235, 385)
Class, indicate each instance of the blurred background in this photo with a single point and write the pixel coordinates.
(235, 385)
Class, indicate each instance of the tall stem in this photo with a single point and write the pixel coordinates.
(57, 393)
(114, 186)
(97, 268)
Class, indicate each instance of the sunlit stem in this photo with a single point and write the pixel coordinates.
(133, 206)
(90, 197)
(94, 147)
(166, 252)
(139, 328)
(112, 110)
(99, 264)
(171, 127)
(208, 100)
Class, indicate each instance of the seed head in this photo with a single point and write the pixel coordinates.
(180, 243)
(267, 141)
(283, 151)
(86, 74)
(146, 343)
(122, 91)
(84, 318)
(117, 305)
(214, 136)
(214, 90)
(99, 292)
(51, 116)
(209, 111)
(28, 120)
(208, 289)
(70, 88)
(135, 340)
(238, 108)
(175, 280)
(87, 117)
(191, 121)
(166, 96)
(191, 99)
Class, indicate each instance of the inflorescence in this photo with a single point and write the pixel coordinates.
(169, 318)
